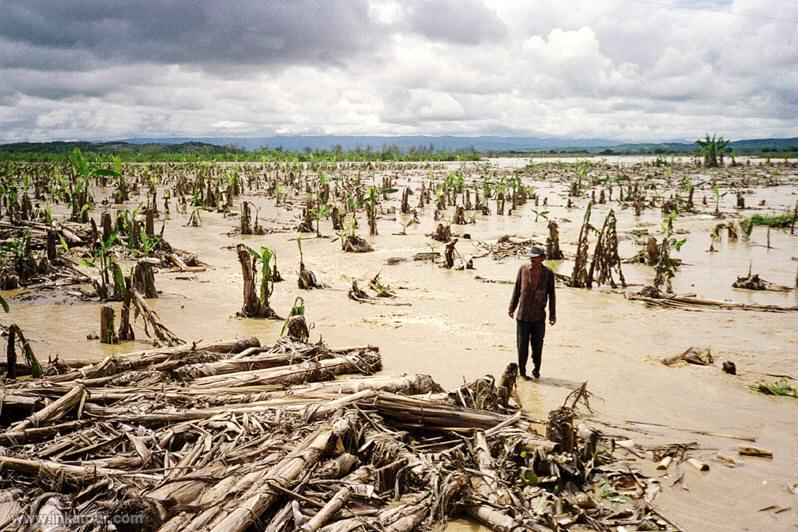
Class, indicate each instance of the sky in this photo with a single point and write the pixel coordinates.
(626, 70)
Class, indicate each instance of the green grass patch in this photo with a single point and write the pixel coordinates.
(779, 387)
(779, 220)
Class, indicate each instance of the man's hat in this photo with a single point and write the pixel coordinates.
(536, 251)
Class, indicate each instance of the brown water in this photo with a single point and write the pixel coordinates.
(457, 328)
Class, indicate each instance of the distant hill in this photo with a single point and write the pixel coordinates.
(141, 148)
(350, 143)
(737, 146)
(114, 147)
(480, 144)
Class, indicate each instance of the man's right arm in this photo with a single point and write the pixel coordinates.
(516, 294)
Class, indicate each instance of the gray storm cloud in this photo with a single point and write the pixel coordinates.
(194, 31)
(629, 69)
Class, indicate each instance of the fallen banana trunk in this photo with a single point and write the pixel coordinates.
(54, 411)
(262, 494)
(366, 363)
(116, 364)
(151, 436)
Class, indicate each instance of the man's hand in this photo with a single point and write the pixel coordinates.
(510, 313)
(552, 321)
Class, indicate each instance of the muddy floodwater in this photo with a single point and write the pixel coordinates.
(455, 327)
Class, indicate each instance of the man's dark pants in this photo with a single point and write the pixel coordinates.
(530, 332)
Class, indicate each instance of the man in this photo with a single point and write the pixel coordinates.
(534, 285)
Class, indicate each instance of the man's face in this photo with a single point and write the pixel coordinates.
(536, 261)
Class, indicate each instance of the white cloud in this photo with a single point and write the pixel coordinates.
(625, 70)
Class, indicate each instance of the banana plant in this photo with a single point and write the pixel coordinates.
(297, 309)
(80, 197)
(103, 261)
(266, 257)
(713, 150)
(718, 195)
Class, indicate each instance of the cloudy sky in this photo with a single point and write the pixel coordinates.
(630, 70)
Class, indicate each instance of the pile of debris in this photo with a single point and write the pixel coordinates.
(508, 246)
(235, 435)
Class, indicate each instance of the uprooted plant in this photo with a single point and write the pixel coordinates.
(306, 279)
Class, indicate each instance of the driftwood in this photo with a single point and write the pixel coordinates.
(232, 435)
(699, 357)
(652, 296)
(753, 282)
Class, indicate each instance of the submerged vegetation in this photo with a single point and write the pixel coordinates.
(778, 387)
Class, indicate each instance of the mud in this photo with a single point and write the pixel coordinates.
(457, 329)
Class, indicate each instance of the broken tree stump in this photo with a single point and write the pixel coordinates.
(107, 333)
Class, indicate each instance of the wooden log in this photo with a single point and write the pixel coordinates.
(54, 411)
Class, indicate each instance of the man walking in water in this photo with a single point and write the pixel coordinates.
(533, 287)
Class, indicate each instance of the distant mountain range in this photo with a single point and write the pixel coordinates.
(379, 143)
(349, 143)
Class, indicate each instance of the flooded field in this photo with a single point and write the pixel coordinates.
(453, 325)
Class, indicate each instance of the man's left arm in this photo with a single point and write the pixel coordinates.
(552, 299)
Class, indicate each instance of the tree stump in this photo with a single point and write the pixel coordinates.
(143, 279)
(459, 216)
(553, 251)
(125, 328)
(149, 223)
(448, 254)
(406, 201)
(443, 233)
(11, 355)
(107, 333)
(246, 219)
(560, 429)
(52, 246)
(254, 306)
(297, 328)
